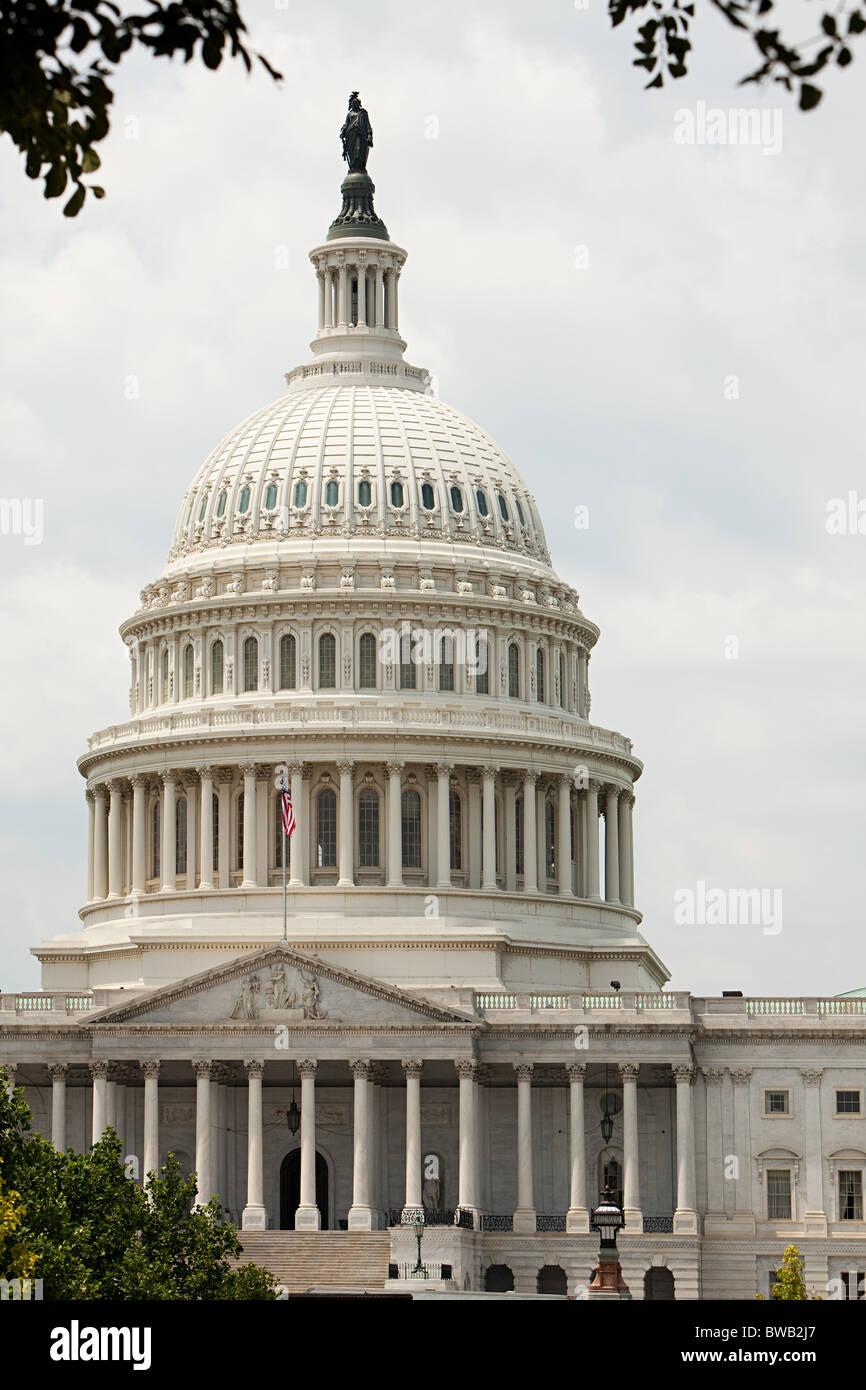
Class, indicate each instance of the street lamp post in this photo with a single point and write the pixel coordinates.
(608, 1219)
(416, 1220)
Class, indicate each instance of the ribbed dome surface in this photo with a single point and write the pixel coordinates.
(358, 460)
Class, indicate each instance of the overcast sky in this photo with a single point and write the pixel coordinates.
(669, 334)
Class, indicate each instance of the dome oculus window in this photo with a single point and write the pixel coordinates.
(271, 497)
(332, 493)
(396, 494)
(244, 503)
(365, 493)
(300, 494)
(221, 504)
(456, 499)
(481, 499)
(428, 497)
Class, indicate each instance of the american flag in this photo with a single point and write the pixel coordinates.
(288, 814)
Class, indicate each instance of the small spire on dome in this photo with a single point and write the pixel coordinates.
(357, 217)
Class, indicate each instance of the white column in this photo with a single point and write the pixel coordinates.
(577, 1217)
(524, 1215)
(307, 1216)
(380, 297)
(541, 837)
(320, 276)
(815, 1217)
(224, 794)
(744, 1216)
(563, 838)
(115, 788)
(713, 1078)
(685, 1216)
(395, 317)
(120, 1114)
(611, 845)
(530, 847)
(100, 844)
(249, 775)
(508, 808)
(206, 827)
(395, 825)
(362, 289)
(347, 821)
(192, 823)
(626, 801)
(169, 833)
(592, 881)
(328, 283)
(488, 850)
(139, 835)
(99, 1072)
(581, 682)
(111, 1103)
(204, 1186)
(443, 813)
(88, 795)
(57, 1071)
(300, 853)
(414, 1194)
(342, 297)
(150, 1162)
(360, 1212)
(255, 1216)
(467, 1181)
(631, 1158)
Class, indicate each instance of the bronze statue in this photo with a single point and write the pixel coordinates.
(356, 135)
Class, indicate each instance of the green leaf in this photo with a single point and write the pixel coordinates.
(76, 202)
(55, 181)
(90, 161)
(97, 191)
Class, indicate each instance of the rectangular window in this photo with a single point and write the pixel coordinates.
(847, 1102)
(411, 829)
(776, 1103)
(851, 1195)
(778, 1194)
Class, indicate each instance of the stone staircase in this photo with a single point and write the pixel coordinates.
(321, 1259)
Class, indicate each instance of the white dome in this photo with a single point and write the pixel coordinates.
(359, 460)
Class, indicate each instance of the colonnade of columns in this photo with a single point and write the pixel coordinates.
(497, 849)
(358, 290)
(108, 1109)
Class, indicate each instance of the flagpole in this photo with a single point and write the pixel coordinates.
(285, 909)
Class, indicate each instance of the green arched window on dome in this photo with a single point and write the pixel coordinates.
(365, 493)
(428, 497)
(221, 504)
(446, 663)
(327, 661)
(396, 494)
(482, 667)
(188, 671)
(456, 499)
(562, 687)
(251, 664)
(288, 663)
(519, 511)
(408, 678)
(367, 661)
(164, 673)
(514, 671)
(216, 668)
(326, 828)
(270, 497)
(481, 501)
(503, 507)
(300, 494)
(368, 828)
(410, 817)
(539, 675)
(202, 509)
(244, 501)
(332, 493)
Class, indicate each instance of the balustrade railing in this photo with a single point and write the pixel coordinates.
(658, 1225)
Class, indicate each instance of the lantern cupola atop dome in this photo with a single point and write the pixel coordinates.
(358, 268)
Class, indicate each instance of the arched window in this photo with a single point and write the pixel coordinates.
(481, 500)
(251, 663)
(327, 661)
(456, 499)
(300, 494)
(367, 661)
(288, 667)
(396, 494)
(244, 502)
(518, 833)
(551, 1279)
(221, 504)
(180, 835)
(155, 841)
(550, 838)
(498, 1279)
(365, 493)
(270, 497)
(482, 667)
(239, 838)
(202, 508)
(446, 663)
(503, 507)
(164, 672)
(216, 668)
(407, 662)
(428, 497)
(455, 829)
(562, 699)
(519, 511)
(187, 671)
(514, 671)
(411, 827)
(332, 493)
(215, 829)
(368, 828)
(539, 675)
(326, 828)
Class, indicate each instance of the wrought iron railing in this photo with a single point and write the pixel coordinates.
(442, 1216)
(493, 1221)
(554, 1221)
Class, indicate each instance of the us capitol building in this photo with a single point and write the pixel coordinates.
(464, 1017)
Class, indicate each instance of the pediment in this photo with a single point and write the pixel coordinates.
(277, 985)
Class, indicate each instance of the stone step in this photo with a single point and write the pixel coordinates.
(321, 1259)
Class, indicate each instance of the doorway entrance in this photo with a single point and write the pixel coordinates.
(290, 1189)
